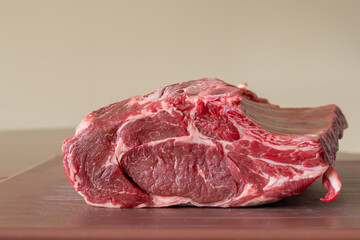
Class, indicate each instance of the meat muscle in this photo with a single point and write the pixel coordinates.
(202, 143)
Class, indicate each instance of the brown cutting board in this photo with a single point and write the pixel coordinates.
(41, 204)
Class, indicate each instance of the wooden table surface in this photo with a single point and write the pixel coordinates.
(40, 203)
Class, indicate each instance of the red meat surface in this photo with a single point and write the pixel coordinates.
(202, 143)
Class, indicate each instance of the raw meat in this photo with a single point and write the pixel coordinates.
(202, 143)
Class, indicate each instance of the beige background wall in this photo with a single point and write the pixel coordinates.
(62, 59)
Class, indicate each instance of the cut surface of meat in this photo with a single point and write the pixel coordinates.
(202, 143)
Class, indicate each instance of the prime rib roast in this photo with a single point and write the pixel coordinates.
(202, 143)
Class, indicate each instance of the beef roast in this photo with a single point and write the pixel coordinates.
(202, 143)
